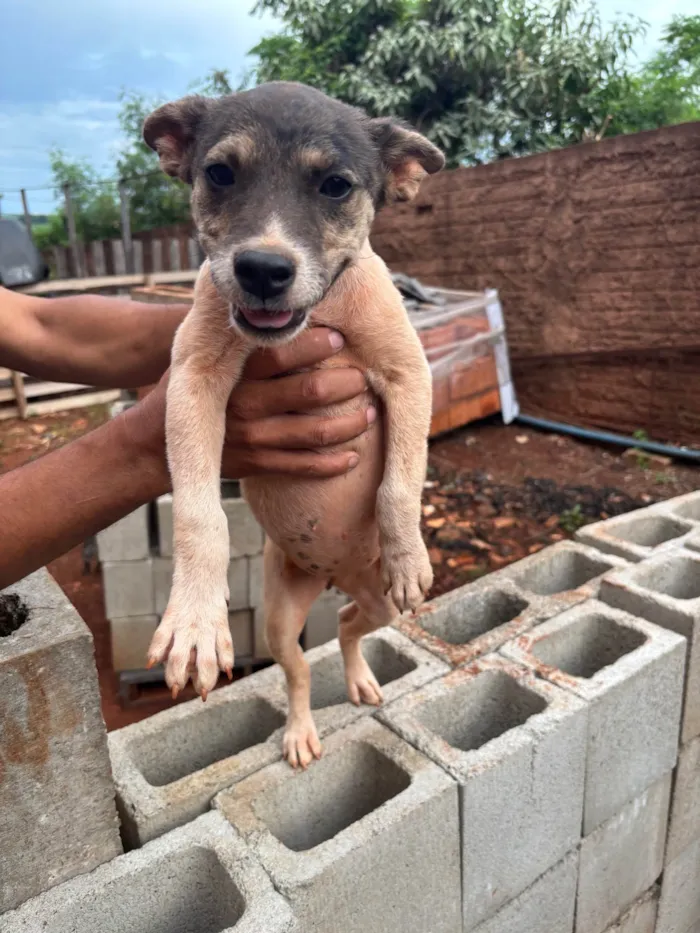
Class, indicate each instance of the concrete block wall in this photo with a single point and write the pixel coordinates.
(534, 769)
(57, 811)
(663, 587)
(137, 567)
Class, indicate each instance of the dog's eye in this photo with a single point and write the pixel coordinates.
(336, 187)
(220, 175)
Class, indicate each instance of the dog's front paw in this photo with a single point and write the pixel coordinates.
(193, 640)
(407, 574)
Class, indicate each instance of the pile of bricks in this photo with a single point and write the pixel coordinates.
(534, 768)
(136, 555)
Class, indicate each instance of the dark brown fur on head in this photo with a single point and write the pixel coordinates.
(276, 147)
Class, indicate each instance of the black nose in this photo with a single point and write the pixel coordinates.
(263, 274)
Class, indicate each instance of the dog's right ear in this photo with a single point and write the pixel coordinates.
(171, 130)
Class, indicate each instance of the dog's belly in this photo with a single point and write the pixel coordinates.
(325, 526)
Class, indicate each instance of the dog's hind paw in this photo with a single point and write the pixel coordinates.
(407, 574)
(301, 743)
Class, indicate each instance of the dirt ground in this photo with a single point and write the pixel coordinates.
(493, 495)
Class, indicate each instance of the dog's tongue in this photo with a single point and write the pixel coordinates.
(266, 319)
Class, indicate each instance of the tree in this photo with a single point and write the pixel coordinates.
(666, 90)
(94, 201)
(156, 199)
(483, 79)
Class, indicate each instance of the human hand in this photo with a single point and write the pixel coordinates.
(262, 437)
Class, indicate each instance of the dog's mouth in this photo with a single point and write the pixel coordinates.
(270, 322)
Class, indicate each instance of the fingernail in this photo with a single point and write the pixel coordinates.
(337, 340)
(371, 414)
(353, 461)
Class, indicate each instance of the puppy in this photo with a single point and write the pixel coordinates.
(285, 185)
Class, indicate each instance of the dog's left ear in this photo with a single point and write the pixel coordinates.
(407, 156)
(171, 130)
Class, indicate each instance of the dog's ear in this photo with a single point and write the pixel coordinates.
(171, 130)
(407, 157)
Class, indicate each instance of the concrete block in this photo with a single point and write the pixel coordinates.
(679, 909)
(255, 581)
(245, 534)
(639, 534)
(641, 916)
(322, 621)
(127, 539)
(630, 674)
(684, 827)
(128, 588)
(622, 859)
(516, 745)
(57, 812)
(567, 572)
(473, 620)
(366, 839)
(398, 664)
(167, 768)
(201, 877)
(131, 638)
(546, 907)
(665, 589)
(241, 625)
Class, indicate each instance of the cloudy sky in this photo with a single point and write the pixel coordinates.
(62, 66)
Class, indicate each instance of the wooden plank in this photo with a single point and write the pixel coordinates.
(20, 397)
(5, 374)
(72, 232)
(54, 405)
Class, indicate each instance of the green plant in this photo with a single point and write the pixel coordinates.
(572, 519)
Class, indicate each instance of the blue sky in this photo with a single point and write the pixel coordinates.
(62, 66)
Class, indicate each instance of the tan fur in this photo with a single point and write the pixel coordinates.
(241, 146)
(318, 529)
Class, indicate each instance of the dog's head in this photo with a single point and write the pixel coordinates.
(285, 183)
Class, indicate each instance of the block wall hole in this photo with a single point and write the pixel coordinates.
(473, 616)
(195, 743)
(587, 646)
(313, 807)
(561, 571)
(328, 676)
(13, 614)
(480, 710)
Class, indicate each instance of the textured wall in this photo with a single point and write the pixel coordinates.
(595, 251)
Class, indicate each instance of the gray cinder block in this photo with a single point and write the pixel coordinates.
(641, 917)
(546, 907)
(630, 674)
(127, 539)
(245, 534)
(57, 813)
(639, 534)
(567, 572)
(679, 909)
(366, 839)
(684, 827)
(665, 589)
(255, 581)
(398, 664)
(167, 768)
(128, 588)
(131, 638)
(478, 618)
(201, 877)
(622, 859)
(516, 745)
(322, 621)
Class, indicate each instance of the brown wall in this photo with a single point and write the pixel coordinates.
(595, 251)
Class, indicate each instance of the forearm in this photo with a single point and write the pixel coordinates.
(91, 339)
(55, 503)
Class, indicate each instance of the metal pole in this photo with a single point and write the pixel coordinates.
(72, 233)
(27, 215)
(124, 201)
